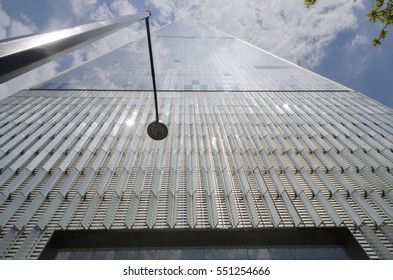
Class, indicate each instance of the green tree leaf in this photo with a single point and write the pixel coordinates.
(381, 12)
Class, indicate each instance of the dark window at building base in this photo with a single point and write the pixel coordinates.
(205, 244)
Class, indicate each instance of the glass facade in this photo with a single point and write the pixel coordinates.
(254, 141)
(192, 59)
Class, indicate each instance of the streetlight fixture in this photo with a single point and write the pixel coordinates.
(156, 130)
(21, 54)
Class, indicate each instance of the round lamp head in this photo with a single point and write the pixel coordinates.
(157, 130)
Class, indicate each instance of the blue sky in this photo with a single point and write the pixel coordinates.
(332, 39)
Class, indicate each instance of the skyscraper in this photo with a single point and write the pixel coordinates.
(264, 159)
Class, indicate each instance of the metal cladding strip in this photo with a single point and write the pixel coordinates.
(63, 128)
(310, 161)
(87, 218)
(252, 210)
(374, 241)
(11, 155)
(369, 137)
(388, 153)
(348, 143)
(152, 211)
(7, 240)
(281, 163)
(227, 182)
(78, 197)
(321, 198)
(381, 159)
(385, 136)
(371, 193)
(222, 176)
(46, 217)
(382, 133)
(285, 148)
(12, 187)
(233, 215)
(29, 213)
(335, 158)
(11, 209)
(210, 180)
(211, 203)
(51, 183)
(336, 144)
(121, 183)
(138, 186)
(304, 199)
(387, 231)
(3, 199)
(14, 136)
(21, 160)
(34, 183)
(172, 210)
(357, 158)
(69, 182)
(190, 180)
(28, 112)
(340, 199)
(29, 242)
(383, 121)
(132, 211)
(266, 161)
(387, 176)
(109, 216)
(248, 198)
(355, 195)
(33, 112)
(153, 204)
(377, 183)
(206, 182)
(191, 210)
(267, 197)
(364, 157)
(281, 191)
(63, 223)
(341, 118)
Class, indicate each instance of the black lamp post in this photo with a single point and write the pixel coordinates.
(21, 54)
(156, 130)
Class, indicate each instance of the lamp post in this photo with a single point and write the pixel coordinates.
(21, 54)
(156, 130)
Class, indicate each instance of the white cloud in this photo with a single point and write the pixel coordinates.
(103, 11)
(17, 28)
(5, 22)
(81, 7)
(285, 28)
(123, 7)
(359, 40)
(10, 27)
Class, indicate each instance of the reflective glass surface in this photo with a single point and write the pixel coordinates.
(190, 56)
